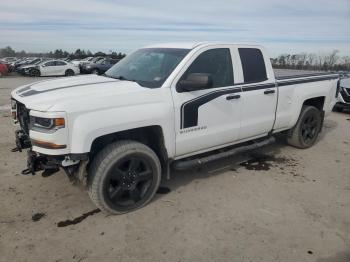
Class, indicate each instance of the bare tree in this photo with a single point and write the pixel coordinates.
(331, 58)
(311, 58)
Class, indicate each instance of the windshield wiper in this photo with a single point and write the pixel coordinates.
(124, 79)
(120, 78)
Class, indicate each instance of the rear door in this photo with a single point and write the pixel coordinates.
(48, 68)
(208, 118)
(60, 67)
(259, 97)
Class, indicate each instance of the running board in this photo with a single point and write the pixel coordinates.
(186, 164)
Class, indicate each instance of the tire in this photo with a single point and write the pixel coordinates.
(95, 72)
(34, 72)
(69, 72)
(123, 177)
(304, 134)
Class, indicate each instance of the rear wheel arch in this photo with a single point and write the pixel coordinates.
(317, 102)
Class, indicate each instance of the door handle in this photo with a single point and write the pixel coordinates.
(233, 97)
(269, 91)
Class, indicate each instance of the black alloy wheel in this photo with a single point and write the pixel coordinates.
(304, 134)
(124, 176)
(309, 129)
(128, 182)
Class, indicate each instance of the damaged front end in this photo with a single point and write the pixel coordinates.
(74, 165)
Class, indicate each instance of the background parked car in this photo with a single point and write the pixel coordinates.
(343, 96)
(81, 61)
(93, 60)
(99, 67)
(25, 61)
(55, 68)
(11, 63)
(3, 69)
(25, 69)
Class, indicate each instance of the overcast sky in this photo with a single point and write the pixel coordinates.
(124, 25)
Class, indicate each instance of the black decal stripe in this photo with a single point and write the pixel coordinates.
(23, 89)
(257, 87)
(35, 92)
(308, 80)
(29, 86)
(189, 110)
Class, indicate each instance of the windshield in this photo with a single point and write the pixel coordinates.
(96, 59)
(149, 67)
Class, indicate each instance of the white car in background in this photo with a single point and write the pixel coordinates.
(82, 61)
(55, 68)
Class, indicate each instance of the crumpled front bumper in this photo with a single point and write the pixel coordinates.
(22, 141)
(36, 162)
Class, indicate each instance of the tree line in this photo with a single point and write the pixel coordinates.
(59, 53)
(310, 61)
(304, 61)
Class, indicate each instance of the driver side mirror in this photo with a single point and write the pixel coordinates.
(195, 81)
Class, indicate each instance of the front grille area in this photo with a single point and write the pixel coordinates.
(23, 117)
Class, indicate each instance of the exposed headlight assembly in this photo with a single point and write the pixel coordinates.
(42, 124)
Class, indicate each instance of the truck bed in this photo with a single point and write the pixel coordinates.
(281, 74)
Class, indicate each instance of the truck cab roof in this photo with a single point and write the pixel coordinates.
(192, 45)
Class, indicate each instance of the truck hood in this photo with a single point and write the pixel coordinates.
(79, 93)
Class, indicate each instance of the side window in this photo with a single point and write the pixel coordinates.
(51, 63)
(60, 63)
(253, 65)
(215, 62)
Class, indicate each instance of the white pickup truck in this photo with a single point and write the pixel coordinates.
(162, 106)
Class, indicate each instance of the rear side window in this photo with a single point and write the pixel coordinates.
(253, 65)
(60, 63)
(217, 63)
(51, 63)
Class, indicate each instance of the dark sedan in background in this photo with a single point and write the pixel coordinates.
(99, 67)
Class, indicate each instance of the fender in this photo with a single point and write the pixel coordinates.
(84, 126)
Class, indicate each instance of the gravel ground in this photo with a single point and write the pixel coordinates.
(275, 204)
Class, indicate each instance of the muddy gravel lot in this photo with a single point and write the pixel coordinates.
(274, 204)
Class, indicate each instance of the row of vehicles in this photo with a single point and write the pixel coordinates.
(56, 67)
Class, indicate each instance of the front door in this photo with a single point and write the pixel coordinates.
(207, 118)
